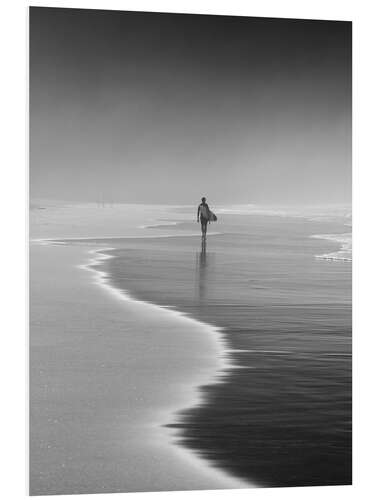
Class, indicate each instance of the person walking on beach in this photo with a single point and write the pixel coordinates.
(203, 216)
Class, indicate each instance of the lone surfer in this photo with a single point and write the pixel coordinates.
(203, 215)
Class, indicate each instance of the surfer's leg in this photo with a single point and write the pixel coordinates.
(204, 227)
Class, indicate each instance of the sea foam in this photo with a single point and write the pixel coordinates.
(345, 251)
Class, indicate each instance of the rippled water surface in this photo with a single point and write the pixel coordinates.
(282, 415)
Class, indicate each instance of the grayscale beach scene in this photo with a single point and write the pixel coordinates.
(190, 252)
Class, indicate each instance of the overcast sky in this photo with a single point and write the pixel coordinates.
(158, 108)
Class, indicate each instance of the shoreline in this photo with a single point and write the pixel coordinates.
(200, 472)
(166, 427)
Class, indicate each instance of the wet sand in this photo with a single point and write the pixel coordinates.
(282, 416)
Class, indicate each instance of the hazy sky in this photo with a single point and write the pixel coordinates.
(157, 108)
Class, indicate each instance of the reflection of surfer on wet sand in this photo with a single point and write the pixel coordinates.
(204, 215)
(201, 265)
(203, 250)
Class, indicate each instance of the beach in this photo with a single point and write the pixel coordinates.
(161, 364)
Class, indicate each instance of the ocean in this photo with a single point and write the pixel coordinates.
(278, 286)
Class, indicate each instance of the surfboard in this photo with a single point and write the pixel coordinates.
(211, 216)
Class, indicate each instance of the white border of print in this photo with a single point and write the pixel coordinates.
(13, 221)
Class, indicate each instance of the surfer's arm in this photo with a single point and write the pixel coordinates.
(199, 209)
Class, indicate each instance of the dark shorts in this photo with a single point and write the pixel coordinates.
(204, 221)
